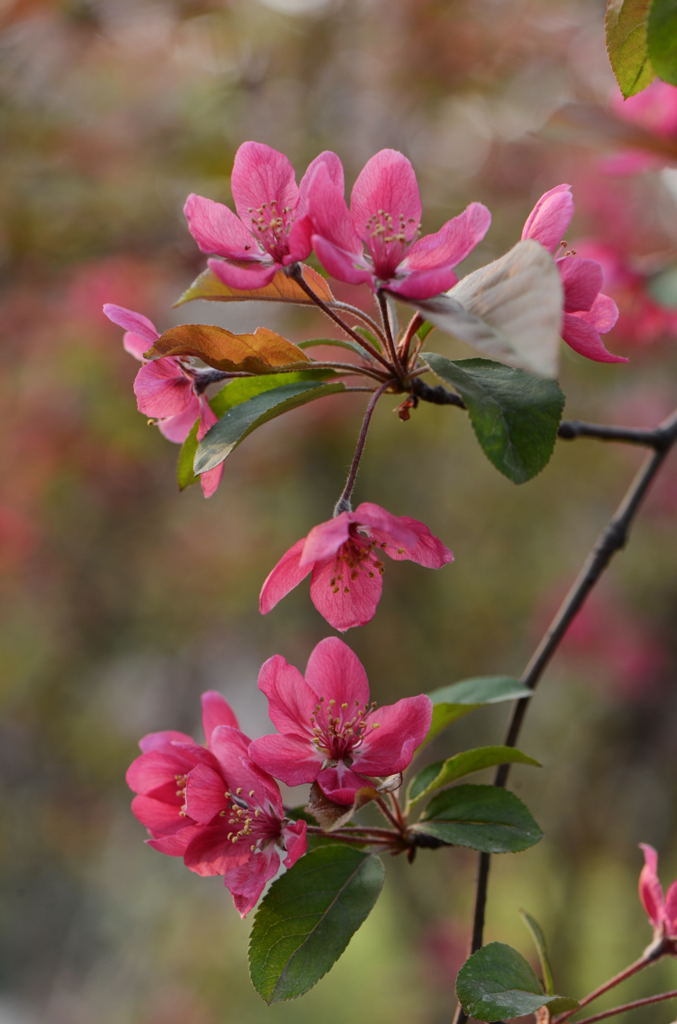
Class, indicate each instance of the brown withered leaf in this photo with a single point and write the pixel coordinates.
(263, 351)
(329, 815)
(280, 289)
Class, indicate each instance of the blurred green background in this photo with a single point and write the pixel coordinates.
(123, 600)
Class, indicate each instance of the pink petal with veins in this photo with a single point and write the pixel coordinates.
(548, 221)
(402, 727)
(262, 175)
(290, 700)
(286, 575)
(336, 673)
(217, 230)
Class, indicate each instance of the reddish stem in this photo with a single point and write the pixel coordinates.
(644, 961)
(629, 1006)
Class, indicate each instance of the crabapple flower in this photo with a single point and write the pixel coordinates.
(342, 557)
(587, 312)
(328, 731)
(212, 806)
(165, 388)
(377, 241)
(661, 909)
(271, 230)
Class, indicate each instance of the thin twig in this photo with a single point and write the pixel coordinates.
(387, 327)
(649, 956)
(360, 314)
(628, 1006)
(343, 503)
(297, 274)
(612, 539)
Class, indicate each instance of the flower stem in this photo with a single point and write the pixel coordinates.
(387, 327)
(628, 1006)
(343, 504)
(612, 539)
(627, 972)
(297, 274)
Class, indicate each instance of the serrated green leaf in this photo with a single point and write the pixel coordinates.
(184, 464)
(242, 419)
(457, 699)
(626, 24)
(514, 414)
(662, 39)
(497, 982)
(442, 773)
(485, 818)
(308, 917)
(537, 935)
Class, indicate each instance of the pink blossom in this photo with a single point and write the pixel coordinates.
(385, 217)
(661, 910)
(271, 230)
(328, 731)
(655, 110)
(343, 556)
(165, 388)
(212, 806)
(587, 312)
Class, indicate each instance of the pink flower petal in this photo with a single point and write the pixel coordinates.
(671, 910)
(287, 758)
(163, 390)
(395, 731)
(261, 177)
(402, 537)
(286, 575)
(174, 844)
(230, 747)
(336, 673)
(548, 221)
(216, 711)
(290, 700)
(177, 428)
(247, 881)
(294, 835)
(650, 889)
(210, 852)
(161, 740)
(343, 601)
(157, 816)
(217, 230)
(387, 182)
(582, 337)
(334, 169)
(325, 539)
(205, 794)
(330, 216)
(340, 263)
(135, 323)
(246, 276)
(582, 280)
(340, 784)
(423, 284)
(153, 770)
(452, 243)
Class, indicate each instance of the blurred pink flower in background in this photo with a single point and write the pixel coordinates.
(655, 110)
(329, 732)
(661, 909)
(343, 556)
(587, 312)
(385, 217)
(271, 230)
(165, 389)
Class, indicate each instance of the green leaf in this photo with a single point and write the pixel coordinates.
(515, 415)
(485, 818)
(454, 701)
(497, 982)
(510, 310)
(627, 45)
(537, 935)
(442, 773)
(308, 917)
(352, 346)
(184, 464)
(662, 39)
(240, 420)
(425, 329)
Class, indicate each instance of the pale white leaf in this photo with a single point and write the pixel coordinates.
(510, 310)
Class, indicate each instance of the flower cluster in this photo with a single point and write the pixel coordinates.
(218, 805)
